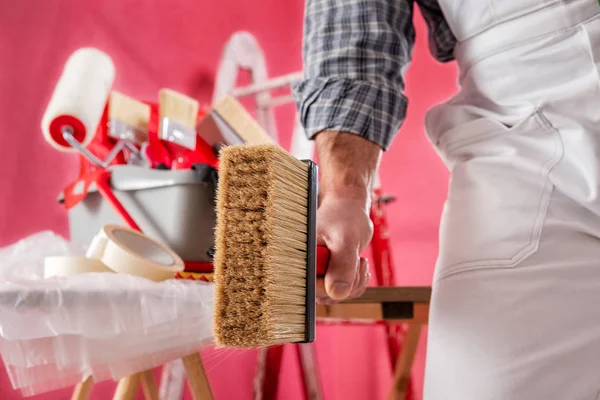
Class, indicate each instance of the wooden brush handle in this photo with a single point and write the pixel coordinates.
(322, 260)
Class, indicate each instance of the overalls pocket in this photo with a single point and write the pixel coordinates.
(498, 192)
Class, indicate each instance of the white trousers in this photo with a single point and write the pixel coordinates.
(515, 312)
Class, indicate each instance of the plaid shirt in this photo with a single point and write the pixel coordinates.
(355, 55)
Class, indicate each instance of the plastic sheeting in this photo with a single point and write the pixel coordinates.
(58, 331)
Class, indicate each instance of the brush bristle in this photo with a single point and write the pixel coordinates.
(178, 107)
(261, 247)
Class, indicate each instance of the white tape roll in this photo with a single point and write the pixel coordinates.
(79, 98)
(66, 266)
(96, 248)
(130, 252)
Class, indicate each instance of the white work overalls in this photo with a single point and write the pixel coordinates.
(515, 312)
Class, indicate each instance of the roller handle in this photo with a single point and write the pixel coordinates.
(322, 260)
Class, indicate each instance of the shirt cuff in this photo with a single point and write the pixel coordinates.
(374, 112)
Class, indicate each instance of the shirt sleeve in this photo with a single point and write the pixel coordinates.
(441, 39)
(355, 54)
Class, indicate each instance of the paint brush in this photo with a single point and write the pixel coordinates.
(266, 258)
(177, 121)
(128, 118)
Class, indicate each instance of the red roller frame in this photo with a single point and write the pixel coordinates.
(385, 275)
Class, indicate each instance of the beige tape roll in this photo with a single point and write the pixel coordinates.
(69, 265)
(96, 247)
(130, 252)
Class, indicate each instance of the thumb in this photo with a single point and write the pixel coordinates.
(341, 271)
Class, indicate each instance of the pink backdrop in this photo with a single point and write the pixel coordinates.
(177, 44)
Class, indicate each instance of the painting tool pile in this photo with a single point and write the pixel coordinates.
(115, 309)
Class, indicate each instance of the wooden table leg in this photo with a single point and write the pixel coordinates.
(82, 389)
(197, 379)
(127, 387)
(405, 360)
(149, 385)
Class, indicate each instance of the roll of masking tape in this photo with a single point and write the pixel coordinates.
(79, 98)
(127, 251)
(97, 246)
(68, 265)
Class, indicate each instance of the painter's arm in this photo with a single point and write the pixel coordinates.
(352, 103)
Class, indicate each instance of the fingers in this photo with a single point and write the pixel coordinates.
(341, 272)
(362, 279)
(359, 284)
(345, 228)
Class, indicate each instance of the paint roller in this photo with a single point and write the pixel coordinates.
(79, 99)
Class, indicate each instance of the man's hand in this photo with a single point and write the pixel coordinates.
(344, 226)
(347, 163)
